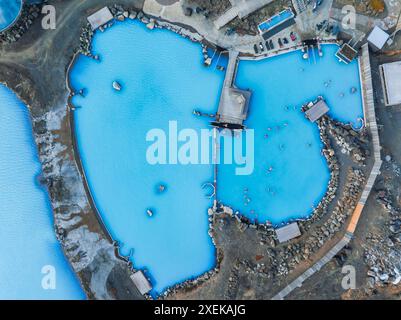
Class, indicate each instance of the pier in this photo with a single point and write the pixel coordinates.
(234, 102)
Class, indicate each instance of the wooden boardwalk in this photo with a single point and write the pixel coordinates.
(370, 118)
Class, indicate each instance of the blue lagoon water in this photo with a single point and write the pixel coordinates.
(27, 239)
(9, 11)
(162, 80)
(290, 175)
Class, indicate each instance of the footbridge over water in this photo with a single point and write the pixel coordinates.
(234, 102)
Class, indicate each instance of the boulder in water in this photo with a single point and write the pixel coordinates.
(116, 86)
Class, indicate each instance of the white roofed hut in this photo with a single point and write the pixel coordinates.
(391, 82)
(377, 38)
(141, 282)
(100, 18)
(315, 110)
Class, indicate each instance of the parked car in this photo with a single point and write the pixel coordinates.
(261, 47)
(280, 43)
(255, 47)
(285, 40)
(271, 44)
(293, 36)
(267, 45)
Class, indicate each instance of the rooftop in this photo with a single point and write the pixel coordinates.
(346, 53)
(391, 81)
(288, 232)
(141, 282)
(100, 18)
(233, 107)
(377, 38)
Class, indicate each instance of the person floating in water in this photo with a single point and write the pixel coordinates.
(149, 212)
(161, 188)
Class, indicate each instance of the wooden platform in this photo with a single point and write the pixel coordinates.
(318, 110)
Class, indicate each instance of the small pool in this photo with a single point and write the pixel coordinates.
(28, 245)
(9, 12)
(276, 20)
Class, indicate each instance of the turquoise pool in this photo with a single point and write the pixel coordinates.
(162, 79)
(290, 175)
(27, 239)
(9, 12)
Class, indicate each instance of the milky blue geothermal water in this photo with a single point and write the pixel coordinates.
(27, 239)
(9, 11)
(162, 80)
(290, 175)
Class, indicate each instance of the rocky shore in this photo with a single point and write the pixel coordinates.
(382, 250)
